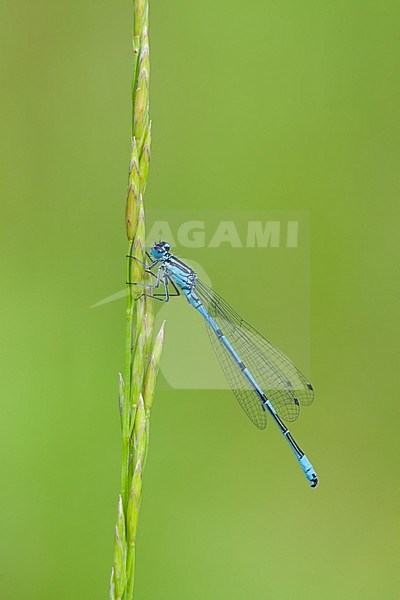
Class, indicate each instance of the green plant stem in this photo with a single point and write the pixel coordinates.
(136, 389)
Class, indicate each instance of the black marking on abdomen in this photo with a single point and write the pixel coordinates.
(297, 448)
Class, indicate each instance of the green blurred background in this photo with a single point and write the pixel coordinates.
(277, 106)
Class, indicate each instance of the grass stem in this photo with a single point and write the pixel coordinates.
(136, 388)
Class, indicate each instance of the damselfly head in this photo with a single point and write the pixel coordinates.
(160, 249)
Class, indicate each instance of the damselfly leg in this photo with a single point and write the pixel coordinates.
(161, 279)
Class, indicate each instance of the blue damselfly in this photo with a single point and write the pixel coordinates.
(263, 379)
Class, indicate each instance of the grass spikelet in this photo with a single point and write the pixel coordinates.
(152, 370)
(136, 388)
